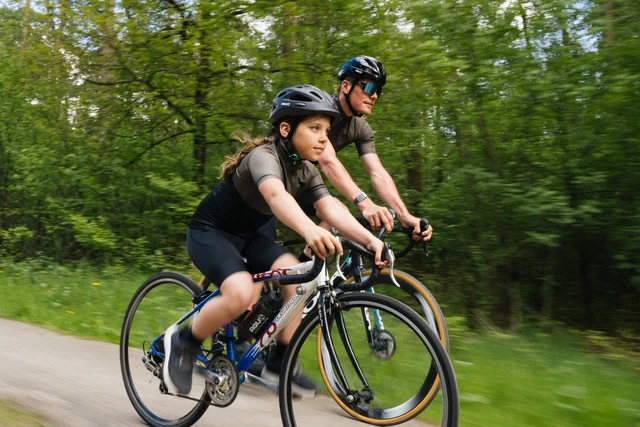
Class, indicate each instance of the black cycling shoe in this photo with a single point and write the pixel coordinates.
(179, 359)
(302, 385)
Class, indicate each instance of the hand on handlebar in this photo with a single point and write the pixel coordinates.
(322, 242)
(377, 247)
(419, 232)
(377, 216)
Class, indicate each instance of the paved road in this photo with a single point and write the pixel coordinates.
(76, 382)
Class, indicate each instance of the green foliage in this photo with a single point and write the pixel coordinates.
(13, 238)
(90, 233)
(560, 379)
(512, 126)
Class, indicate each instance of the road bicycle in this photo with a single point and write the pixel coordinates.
(392, 377)
(349, 276)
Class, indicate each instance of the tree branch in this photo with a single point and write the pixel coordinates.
(150, 147)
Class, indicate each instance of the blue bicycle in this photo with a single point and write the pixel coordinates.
(381, 369)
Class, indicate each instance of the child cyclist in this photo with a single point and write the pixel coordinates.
(261, 181)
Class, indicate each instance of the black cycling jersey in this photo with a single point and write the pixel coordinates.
(346, 130)
(225, 229)
(236, 205)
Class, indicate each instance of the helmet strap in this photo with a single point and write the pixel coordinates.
(287, 141)
(348, 99)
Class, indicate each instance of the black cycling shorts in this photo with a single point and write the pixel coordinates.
(219, 254)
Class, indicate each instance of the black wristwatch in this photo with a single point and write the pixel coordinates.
(360, 197)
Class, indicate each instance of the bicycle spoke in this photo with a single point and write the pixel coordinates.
(159, 302)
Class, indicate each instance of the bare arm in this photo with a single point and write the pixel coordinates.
(388, 192)
(287, 210)
(337, 174)
(331, 212)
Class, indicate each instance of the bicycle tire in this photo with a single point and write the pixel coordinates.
(129, 342)
(418, 331)
(421, 295)
(433, 316)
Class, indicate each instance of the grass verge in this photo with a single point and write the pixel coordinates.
(13, 416)
(504, 380)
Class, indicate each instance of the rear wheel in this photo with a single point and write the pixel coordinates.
(421, 299)
(157, 304)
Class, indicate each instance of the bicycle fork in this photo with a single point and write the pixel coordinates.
(330, 311)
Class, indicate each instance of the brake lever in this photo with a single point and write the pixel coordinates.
(338, 270)
(388, 255)
(424, 225)
(383, 231)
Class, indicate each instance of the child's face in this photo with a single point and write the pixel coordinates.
(311, 137)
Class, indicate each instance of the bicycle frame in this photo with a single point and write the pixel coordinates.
(320, 286)
(282, 319)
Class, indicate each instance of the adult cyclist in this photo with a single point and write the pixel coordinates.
(361, 81)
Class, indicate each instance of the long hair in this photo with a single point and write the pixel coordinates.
(231, 162)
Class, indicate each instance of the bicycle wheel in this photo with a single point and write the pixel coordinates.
(395, 370)
(157, 304)
(421, 299)
(425, 304)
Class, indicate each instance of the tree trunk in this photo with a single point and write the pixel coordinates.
(202, 111)
(609, 19)
(25, 23)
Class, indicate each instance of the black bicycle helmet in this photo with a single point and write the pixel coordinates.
(363, 67)
(302, 100)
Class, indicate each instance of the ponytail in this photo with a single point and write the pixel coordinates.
(231, 162)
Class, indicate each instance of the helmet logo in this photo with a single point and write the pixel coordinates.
(286, 104)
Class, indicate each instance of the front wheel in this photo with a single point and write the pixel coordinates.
(381, 339)
(387, 383)
(157, 304)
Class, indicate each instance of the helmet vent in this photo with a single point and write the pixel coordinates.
(302, 100)
(300, 97)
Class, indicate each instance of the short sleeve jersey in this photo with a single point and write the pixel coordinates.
(346, 130)
(271, 161)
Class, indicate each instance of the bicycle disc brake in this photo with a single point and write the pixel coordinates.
(225, 391)
(383, 346)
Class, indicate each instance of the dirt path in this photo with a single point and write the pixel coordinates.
(76, 382)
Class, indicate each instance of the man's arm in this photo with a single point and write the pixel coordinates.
(388, 192)
(337, 174)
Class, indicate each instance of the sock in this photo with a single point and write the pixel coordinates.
(187, 335)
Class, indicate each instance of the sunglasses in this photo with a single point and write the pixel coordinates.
(370, 88)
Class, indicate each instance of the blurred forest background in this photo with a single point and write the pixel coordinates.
(513, 125)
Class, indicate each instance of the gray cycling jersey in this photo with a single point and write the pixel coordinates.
(346, 130)
(271, 160)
